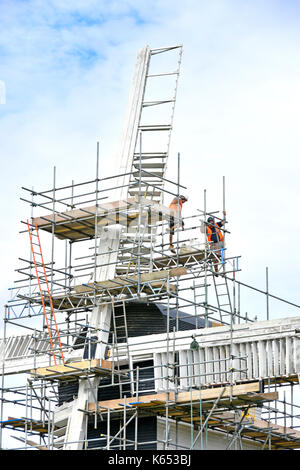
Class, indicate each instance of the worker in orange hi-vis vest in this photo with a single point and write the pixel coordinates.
(176, 205)
(215, 238)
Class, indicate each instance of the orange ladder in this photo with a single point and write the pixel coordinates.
(34, 254)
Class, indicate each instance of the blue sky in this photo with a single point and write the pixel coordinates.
(67, 67)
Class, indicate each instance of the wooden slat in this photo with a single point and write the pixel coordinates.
(80, 223)
(213, 393)
(258, 429)
(68, 216)
(188, 255)
(239, 391)
(72, 369)
(20, 423)
(144, 400)
(119, 281)
(262, 425)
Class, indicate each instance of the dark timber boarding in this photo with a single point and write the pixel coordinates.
(142, 319)
(147, 432)
(67, 391)
(149, 319)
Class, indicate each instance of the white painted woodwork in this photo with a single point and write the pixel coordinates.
(100, 319)
(132, 117)
(77, 420)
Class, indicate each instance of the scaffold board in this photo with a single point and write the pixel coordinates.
(74, 369)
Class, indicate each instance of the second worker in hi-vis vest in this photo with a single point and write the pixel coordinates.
(215, 238)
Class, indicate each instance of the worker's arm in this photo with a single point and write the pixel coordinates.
(222, 222)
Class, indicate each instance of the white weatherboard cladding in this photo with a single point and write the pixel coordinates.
(23, 346)
(256, 351)
(162, 371)
(130, 129)
(253, 360)
(180, 438)
(262, 349)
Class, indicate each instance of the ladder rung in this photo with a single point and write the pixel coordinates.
(148, 186)
(151, 154)
(155, 127)
(135, 183)
(145, 173)
(148, 189)
(156, 103)
(160, 50)
(152, 193)
(137, 157)
(162, 74)
(43, 279)
(149, 165)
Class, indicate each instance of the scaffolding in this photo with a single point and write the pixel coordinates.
(88, 378)
(185, 283)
